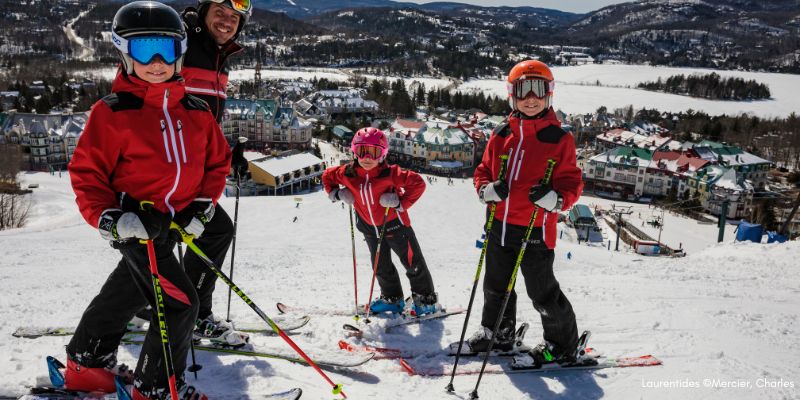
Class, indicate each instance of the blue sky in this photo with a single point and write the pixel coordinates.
(576, 6)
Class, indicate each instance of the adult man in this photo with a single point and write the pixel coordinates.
(212, 29)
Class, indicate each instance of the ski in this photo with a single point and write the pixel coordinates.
(381, 353)
(285, 322)
(333, 361)
(506, 368)
(52, 393)
(402, 320)
(287, 309)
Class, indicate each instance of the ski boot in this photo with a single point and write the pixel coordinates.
(548, 353)
(89, 379)
(185, 392)
(479, 341)
(219, 332)
(384, 304)
(421, 304)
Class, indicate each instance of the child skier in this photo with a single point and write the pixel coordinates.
(370, 185)
(530, 137)
(147, 141)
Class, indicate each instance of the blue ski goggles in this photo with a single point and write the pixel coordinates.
(144, 49)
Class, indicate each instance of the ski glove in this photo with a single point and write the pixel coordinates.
(390, 199)
(342, 194)
(545, 197)
(493, 192)
(118, 225)
(195, 216)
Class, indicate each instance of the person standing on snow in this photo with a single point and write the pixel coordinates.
(212, 30)
(147, 141)
(370, 185)
(530, 136)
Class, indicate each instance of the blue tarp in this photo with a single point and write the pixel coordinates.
(775, 237)
(748, 231)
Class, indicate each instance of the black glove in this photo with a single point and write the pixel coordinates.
(494, 192)
(195, 216)
(238, 162)
(543, 195)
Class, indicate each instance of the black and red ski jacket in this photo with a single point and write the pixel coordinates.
(152, 141)
(368, 186)
(205, 65)
(529, 143)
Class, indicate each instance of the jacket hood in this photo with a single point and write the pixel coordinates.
(152, 93)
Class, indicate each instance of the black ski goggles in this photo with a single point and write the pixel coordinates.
(539, 88)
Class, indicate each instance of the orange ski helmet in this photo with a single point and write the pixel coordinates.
(530, 70)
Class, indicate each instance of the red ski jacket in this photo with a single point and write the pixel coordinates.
(368, 186)
(205, 66)
(152, 141)
(529, 143)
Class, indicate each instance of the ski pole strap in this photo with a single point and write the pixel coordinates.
(145, 205)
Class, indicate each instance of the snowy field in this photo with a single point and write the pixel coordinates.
(577, 92)
(574, 95)
(726, 314)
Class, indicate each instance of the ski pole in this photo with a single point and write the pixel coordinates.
(375, 265)
(337, 387)
(239, 152)
(195, 366)
(492, 208)
(353, 247)
(548, 174)
(160, 311)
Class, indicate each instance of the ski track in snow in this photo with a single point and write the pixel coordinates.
(727, 312)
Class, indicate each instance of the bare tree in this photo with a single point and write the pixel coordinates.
(14, 210)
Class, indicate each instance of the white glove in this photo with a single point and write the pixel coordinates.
(342, 194)
(390, 199)
(117, 225)
(493, 192)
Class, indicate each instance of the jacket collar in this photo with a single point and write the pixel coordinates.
(152, 93)
(354, 169)
(533, 124)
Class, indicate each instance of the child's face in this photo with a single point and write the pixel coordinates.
(155, 72)
(368, 163)
(531, 106)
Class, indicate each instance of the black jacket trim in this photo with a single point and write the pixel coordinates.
(550, 134)
(191, 102)
(122, 101)
(502, 130)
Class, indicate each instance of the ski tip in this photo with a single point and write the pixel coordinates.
(281, 308)
(407, 367)
(291, 394)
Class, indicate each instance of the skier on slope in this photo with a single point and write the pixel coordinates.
(147, 141)
(530, 136)
(370, 184)
(212, 30)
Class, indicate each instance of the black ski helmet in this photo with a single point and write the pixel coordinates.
(141, 18)
(202, 8)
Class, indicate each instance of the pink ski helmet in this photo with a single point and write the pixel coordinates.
(370, 143)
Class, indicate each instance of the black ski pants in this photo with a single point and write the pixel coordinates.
(214, 242)
(127, 290)
(402, 240)
(558, 318)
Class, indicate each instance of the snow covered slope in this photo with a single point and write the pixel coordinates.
(728, 312)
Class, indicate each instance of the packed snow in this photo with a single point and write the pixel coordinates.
(727, 314)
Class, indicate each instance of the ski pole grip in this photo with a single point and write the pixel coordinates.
(185, 237)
